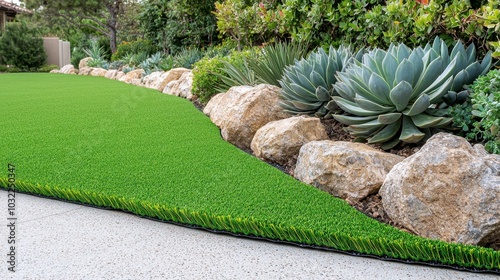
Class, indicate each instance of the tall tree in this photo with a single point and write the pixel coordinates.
(99, 15)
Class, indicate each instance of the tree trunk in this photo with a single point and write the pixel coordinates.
(113, 9)
(112, 39)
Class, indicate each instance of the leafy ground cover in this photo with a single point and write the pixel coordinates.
(106, 143)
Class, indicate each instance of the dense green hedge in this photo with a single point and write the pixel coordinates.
(365, 22)
(22, 47)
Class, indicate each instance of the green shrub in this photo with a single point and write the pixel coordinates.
(207, 72)
(3, 68)
(174, 25)
(377, 23)
(204, 78)
(76, 55)
(247, 22)
(134, 47)
(47, 68)
(479, 119)
(21, 47)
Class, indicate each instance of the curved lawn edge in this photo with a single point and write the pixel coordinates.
(94, 151)
(431, 252)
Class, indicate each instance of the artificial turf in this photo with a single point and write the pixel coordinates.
(106, 143)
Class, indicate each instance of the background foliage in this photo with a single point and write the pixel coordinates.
(177, 24)
(22, 47)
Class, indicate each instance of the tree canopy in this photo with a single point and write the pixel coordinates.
(102, 16)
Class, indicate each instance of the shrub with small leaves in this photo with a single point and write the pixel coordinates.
(21, 47)
(211, 75)
(479, 119)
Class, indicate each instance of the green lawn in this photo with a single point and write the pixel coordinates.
(106, 143)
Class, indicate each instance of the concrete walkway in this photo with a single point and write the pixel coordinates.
(57, 240)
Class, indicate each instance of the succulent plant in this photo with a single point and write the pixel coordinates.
(392, 94)
(467, 69)
(307, 85)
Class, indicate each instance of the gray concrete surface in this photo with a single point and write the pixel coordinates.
(57, 240)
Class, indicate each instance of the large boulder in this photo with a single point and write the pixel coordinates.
(279, 141)
(111, 74)
(130, 76)
(68, 69)
(181, 87)
(118, 75)
(351, 171)
(136, 82)
(162, 80)
(241, 111)
(448, 190)
(85, 71)
(151, 78)
(98, 72)
(84, 62)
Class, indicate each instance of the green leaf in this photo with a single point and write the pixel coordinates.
(391, 144)
(420, 105)
(405, 72)
(389, 64)
(424, 120)
(372, 106)
(350, 120)
(323, 94)
(410, 133)
(378, 88)
(306, 105)
(400, 95)
(389, 118)
(386, 134)
(352, 108)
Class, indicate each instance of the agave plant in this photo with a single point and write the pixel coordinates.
(96, 52)
(236, 74)
(393, 94)
(269, 67)
(307, 86)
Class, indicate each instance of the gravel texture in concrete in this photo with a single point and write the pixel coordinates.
(58, 240)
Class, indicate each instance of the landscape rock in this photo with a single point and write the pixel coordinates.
(98, 72)
(448, 190)
(279, 141)
(134, 74)
(84, 62)
(181, 87)
(85, 71)
(111, 74)
(166, 77)
(68, 69)
(241, 111)
(351, 171)
(118, 75)
(55, 71)
(137, 82)
(148, 80)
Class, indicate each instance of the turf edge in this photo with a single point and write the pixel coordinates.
(428, 252)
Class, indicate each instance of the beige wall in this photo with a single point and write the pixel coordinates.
(58, 52)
